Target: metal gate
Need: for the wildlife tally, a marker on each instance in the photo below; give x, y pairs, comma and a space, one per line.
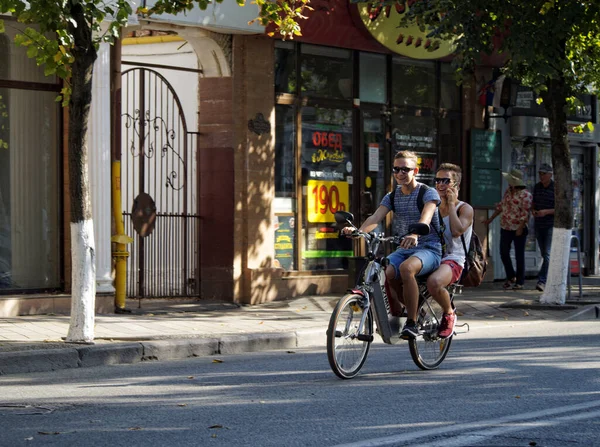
158, 169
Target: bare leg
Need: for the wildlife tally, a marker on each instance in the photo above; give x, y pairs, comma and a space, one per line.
394, 291
408, 271
436, 284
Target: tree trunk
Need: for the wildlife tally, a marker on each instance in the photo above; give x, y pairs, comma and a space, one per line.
555, 103
83, 294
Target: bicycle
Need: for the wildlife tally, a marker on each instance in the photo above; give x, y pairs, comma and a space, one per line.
350, 330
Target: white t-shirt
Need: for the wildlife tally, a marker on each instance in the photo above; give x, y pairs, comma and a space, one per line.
454, 246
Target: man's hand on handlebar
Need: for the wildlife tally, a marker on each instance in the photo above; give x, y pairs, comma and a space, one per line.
347, 231
409, 241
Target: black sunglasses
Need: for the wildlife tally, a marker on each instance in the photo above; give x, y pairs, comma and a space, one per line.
398, 169
442, 180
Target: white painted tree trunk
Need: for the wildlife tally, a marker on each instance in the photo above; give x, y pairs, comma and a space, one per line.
555, 291
83, 294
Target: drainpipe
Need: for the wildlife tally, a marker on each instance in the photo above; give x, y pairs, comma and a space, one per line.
120, 239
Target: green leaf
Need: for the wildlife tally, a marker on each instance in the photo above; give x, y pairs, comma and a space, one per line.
32, 51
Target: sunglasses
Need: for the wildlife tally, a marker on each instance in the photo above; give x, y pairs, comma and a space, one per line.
398, 169
442, 180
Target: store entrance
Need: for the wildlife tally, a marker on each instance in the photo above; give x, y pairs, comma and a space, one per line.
374, 177
580, 164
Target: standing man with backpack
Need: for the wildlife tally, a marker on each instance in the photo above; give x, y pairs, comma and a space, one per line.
457, 226
543, 212
411, 202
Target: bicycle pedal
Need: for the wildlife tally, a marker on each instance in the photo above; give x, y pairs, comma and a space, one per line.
367, 338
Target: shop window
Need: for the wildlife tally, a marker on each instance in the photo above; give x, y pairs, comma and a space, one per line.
449, 90
327, 178
373, 78
450, 138
285, 68
414, 83
326, 72
22, 68
417, 134
285, 188
29, 172
29, 211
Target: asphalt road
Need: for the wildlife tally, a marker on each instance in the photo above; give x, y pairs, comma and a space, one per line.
507, 385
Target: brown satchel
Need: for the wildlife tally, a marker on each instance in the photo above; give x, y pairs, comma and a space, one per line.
475, 262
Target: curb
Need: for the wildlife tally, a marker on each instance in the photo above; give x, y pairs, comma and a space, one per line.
44, 360
529, 304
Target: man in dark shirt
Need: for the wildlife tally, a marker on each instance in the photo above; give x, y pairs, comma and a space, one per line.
543, 211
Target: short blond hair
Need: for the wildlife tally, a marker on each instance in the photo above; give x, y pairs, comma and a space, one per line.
453, 168
409, 155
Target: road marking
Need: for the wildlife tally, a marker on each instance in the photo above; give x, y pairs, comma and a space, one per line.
483, 427
481, 436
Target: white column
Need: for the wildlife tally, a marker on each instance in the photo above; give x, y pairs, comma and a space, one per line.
100, 168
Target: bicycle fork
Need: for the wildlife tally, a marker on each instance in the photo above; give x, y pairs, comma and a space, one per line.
365, 312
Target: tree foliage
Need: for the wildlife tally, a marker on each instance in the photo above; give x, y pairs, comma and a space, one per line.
552, 46
541, 40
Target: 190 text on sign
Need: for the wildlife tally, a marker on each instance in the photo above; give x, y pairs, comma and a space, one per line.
324, 199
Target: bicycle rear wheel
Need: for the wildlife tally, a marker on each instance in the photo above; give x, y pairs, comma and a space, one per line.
427, 350
347, 348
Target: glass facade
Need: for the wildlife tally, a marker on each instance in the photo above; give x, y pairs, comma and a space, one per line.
341, 115
29, 172
326, 172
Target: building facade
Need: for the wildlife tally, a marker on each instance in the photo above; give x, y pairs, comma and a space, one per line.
242, 146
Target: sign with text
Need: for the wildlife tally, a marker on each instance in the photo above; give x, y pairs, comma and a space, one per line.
285, 241
324, 199
486, 187
486, 149
486, 161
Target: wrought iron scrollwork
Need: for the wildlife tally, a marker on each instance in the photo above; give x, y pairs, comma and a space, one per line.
145, 146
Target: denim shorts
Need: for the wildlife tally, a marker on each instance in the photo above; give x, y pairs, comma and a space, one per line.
430, 259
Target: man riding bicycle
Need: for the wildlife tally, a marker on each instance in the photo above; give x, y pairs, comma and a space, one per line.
416, 255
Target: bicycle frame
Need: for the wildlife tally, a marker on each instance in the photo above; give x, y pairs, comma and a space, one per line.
372, 287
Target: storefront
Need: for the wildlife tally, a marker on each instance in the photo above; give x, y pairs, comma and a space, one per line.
527, 145
341, 114
30, 172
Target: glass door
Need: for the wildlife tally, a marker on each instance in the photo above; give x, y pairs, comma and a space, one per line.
374, 183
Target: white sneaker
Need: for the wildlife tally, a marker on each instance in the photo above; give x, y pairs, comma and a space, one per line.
540, 286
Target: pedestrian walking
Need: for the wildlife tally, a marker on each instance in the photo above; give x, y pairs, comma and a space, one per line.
514, 208
543, 213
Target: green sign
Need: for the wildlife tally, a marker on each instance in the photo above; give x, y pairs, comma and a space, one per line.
486, 187
486, 163
285, 241
486, 149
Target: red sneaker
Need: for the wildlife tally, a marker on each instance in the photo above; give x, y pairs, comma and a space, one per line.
446, 328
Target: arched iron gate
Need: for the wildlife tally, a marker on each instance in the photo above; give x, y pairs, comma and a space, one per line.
158, 158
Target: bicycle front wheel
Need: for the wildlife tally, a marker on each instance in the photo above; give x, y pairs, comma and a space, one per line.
347, 343
428, 350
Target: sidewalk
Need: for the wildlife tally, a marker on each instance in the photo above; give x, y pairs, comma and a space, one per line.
176, 329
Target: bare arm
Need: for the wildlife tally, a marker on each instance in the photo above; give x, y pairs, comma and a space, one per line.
492, 217
370, 222
459, 224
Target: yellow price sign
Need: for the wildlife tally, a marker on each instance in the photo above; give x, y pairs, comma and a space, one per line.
324, 199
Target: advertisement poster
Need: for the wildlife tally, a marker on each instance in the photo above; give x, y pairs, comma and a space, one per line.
285, 241
327, 176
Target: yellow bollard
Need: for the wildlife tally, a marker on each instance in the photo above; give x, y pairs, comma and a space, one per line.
120, 254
